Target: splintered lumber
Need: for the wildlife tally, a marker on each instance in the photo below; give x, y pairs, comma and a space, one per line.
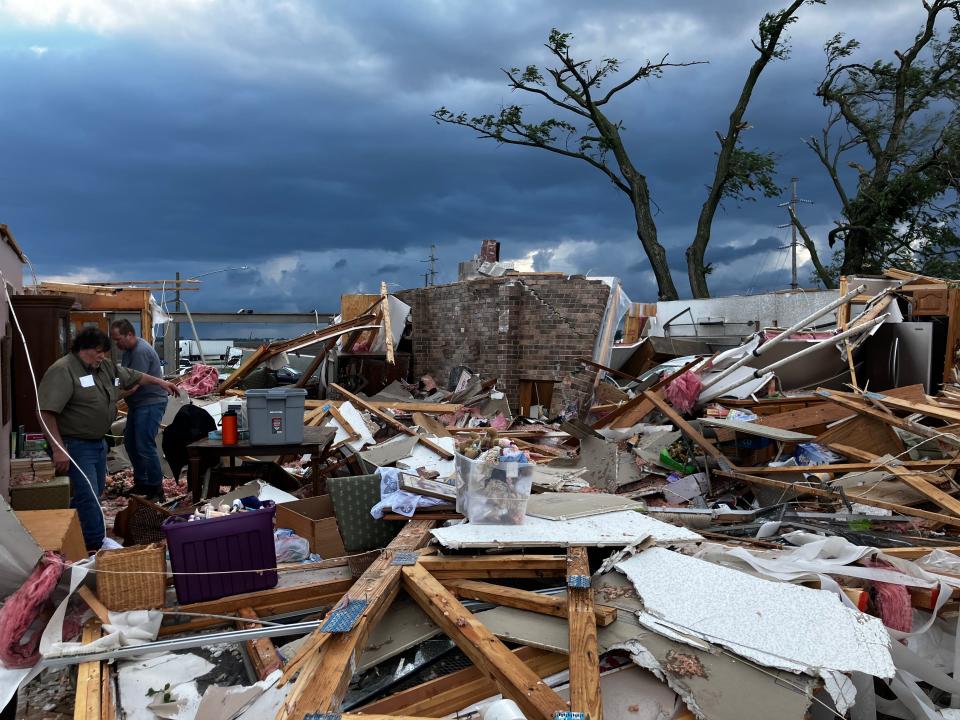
89, 698
826, 413
687, 428
913, 553
495, 566
836, 497
518, 682
315, 363
924, 408
838, 468
269, 350
93, 602
889, 419
430, 424
450, 693
633, 411
387, 329
326, 673
584, 654
393, 422
262, 652
415, 406
521, 599
917, 482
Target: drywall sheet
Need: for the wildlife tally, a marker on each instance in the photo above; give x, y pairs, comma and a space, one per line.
610, 529
774, 624
355, 420
135, 678
423, 457
567, 505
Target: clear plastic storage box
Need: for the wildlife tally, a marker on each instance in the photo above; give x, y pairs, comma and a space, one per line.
493, 493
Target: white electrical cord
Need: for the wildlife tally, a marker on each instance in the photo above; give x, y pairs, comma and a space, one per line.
36, 393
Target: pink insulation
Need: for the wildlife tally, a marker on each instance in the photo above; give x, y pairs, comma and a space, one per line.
683, 392
21, 610
202, 380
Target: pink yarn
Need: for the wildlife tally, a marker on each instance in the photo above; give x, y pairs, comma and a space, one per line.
683, 392
202, 380
21, 610
892, 601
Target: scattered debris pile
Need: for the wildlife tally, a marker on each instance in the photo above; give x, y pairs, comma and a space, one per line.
768, 531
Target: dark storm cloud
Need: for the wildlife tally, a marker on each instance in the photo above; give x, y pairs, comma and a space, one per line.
299, 142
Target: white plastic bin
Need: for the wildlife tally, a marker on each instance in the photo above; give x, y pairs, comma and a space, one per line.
275, 415
493, 494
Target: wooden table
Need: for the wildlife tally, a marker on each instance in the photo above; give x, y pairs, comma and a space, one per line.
316, 441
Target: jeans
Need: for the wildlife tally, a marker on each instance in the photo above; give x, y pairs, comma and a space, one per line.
140, 441
91, 456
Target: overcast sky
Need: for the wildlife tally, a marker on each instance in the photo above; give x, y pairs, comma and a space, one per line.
145, 137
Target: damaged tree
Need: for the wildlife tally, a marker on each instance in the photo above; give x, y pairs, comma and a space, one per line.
579, 86
740, 172
900, 121
597, 140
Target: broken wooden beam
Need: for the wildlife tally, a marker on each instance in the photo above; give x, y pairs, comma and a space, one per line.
554, 605
518, 682
495, 566
89, 699
393, 422
262, 652
326, 673
387, 327
584, 655
687, 429
917, 482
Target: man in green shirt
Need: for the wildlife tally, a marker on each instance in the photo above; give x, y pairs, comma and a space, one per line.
78, 403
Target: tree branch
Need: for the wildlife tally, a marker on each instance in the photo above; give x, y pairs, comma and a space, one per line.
518, 85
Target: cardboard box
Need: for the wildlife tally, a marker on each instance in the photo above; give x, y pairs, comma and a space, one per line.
57, 530
314, 520
51, 495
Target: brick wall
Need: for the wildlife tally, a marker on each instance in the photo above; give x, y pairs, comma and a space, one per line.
512, 328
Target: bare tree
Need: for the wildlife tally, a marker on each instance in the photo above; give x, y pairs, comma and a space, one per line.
896, 125
740, 172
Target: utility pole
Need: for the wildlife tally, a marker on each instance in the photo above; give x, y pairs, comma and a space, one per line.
794, 201
176, 332
430, 276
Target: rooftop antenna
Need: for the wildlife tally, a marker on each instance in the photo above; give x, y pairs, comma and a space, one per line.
430, 276
794, 201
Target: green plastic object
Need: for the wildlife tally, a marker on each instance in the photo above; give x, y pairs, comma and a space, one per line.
669, 462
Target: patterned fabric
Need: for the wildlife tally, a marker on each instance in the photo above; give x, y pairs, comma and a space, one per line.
352, 499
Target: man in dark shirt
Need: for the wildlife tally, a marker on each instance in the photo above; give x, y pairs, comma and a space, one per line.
145, 407
78, 401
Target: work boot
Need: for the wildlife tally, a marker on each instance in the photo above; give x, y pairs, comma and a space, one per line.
155, 493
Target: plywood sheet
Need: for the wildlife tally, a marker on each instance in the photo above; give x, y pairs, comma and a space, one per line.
610, 529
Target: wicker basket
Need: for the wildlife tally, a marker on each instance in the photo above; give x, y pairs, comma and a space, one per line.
133, 578
358, 564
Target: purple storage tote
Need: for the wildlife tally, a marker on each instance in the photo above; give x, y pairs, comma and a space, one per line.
231, 546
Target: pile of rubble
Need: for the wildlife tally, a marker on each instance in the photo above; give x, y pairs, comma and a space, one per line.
704, 539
